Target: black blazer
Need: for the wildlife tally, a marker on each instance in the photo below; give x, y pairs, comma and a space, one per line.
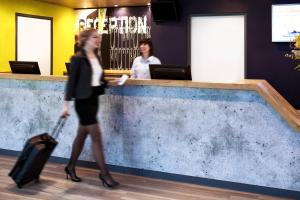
80, 78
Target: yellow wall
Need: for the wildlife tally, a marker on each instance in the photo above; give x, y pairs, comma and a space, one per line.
63, 30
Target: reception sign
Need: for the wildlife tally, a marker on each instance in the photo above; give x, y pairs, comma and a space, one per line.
121, 30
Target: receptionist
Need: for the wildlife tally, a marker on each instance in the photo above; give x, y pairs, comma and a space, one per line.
140, 66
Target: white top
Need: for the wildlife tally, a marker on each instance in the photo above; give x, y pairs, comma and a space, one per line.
97, 72
140, 67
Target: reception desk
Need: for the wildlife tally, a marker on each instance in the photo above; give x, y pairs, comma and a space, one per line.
243, 132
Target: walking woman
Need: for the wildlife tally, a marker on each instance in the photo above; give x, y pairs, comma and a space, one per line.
86, 82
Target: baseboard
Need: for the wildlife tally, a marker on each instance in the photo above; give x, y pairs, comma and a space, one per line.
179, 178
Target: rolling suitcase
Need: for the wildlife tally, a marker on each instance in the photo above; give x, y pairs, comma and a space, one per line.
34, 156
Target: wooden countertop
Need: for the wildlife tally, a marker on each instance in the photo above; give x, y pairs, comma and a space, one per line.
278, 102
32, 77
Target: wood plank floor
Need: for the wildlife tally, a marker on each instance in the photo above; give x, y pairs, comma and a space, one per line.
53, 185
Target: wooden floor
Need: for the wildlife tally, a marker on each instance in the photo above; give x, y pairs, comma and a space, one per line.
53, 185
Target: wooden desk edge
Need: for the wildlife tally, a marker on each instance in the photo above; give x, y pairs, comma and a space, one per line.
274, 98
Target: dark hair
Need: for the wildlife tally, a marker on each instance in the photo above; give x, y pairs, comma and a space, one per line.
149, 42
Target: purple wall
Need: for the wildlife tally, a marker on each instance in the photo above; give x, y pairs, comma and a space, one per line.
264, 59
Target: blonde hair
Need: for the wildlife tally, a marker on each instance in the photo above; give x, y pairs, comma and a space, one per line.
85, 35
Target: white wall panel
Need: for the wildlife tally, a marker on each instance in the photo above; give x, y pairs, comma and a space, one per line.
218, 48
34, 42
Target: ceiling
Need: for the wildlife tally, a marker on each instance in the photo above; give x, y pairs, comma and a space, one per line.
97, 3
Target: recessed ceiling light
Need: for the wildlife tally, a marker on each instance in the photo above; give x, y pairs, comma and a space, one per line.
116, 5
149, 4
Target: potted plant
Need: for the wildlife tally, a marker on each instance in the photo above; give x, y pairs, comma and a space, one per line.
295, 52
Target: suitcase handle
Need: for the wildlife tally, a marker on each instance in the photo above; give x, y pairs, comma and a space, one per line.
58, 127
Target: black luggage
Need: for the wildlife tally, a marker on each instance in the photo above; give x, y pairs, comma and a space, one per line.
34, 156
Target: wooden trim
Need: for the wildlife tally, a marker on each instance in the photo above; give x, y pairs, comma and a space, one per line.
280, 104
93, 4
266, 91
115, 73
32, 77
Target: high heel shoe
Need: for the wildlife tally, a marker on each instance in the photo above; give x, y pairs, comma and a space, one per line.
104, 179
72, 174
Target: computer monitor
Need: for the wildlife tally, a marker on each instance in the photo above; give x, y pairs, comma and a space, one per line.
24, 67
68, 67
171, 72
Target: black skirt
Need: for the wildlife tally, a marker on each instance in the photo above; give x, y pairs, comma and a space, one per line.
87, 109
